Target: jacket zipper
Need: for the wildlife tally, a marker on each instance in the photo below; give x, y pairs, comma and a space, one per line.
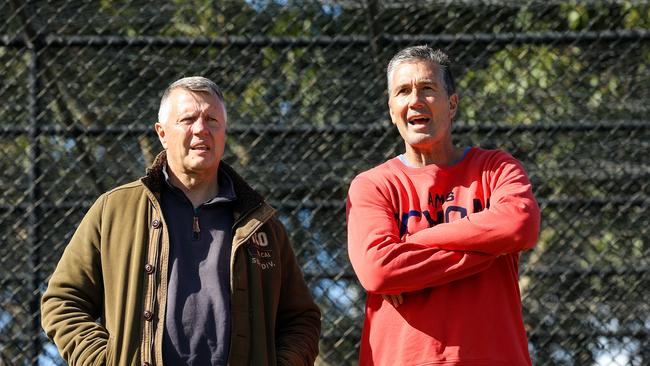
232, 258
196, 229
235, 247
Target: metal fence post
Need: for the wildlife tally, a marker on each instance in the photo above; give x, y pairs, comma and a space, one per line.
34, 41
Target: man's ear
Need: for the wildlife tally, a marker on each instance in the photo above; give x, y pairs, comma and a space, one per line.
160, 131
453, 105
390, 112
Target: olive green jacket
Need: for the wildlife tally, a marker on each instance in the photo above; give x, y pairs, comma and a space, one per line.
105, 302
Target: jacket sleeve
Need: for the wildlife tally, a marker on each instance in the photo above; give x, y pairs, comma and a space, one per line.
509, 225
383, 262
298, 319
73, 299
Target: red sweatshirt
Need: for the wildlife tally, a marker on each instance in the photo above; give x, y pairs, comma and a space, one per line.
447, 238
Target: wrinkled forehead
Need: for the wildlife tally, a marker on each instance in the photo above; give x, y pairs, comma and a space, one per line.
413, 71
185, 101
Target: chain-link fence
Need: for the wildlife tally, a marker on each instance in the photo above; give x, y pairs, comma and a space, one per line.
563, 86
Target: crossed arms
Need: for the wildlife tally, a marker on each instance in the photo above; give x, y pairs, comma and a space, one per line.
446, 252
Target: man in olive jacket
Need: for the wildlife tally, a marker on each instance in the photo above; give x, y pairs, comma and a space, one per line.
186, 266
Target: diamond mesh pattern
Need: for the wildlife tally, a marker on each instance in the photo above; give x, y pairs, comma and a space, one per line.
562, 85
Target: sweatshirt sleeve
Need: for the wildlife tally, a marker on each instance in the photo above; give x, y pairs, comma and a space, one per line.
73, 299
510, 224
386, 264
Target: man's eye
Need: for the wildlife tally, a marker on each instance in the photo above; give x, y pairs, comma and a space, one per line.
403, 91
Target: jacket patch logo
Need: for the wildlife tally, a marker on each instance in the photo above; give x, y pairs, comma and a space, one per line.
259, 252
260, 239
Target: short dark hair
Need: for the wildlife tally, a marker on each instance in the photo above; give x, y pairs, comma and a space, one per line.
424, 53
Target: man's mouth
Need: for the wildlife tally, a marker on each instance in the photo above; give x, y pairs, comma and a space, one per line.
200, 147
419, 121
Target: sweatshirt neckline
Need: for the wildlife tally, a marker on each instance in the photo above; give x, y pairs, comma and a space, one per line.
467, 153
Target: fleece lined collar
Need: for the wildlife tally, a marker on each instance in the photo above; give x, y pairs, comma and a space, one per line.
247, 198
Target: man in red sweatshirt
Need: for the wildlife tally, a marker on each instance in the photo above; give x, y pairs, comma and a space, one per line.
434, 234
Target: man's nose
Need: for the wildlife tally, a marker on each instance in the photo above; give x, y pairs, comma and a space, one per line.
200, 125
415, 99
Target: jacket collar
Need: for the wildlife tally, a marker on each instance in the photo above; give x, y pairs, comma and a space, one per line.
247, 198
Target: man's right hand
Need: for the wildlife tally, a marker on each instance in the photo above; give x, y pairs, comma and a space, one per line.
396, 300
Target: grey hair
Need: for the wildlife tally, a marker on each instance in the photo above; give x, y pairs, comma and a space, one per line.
424, 53
196, 84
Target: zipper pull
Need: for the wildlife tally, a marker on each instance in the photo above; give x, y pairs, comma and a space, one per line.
196, 230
